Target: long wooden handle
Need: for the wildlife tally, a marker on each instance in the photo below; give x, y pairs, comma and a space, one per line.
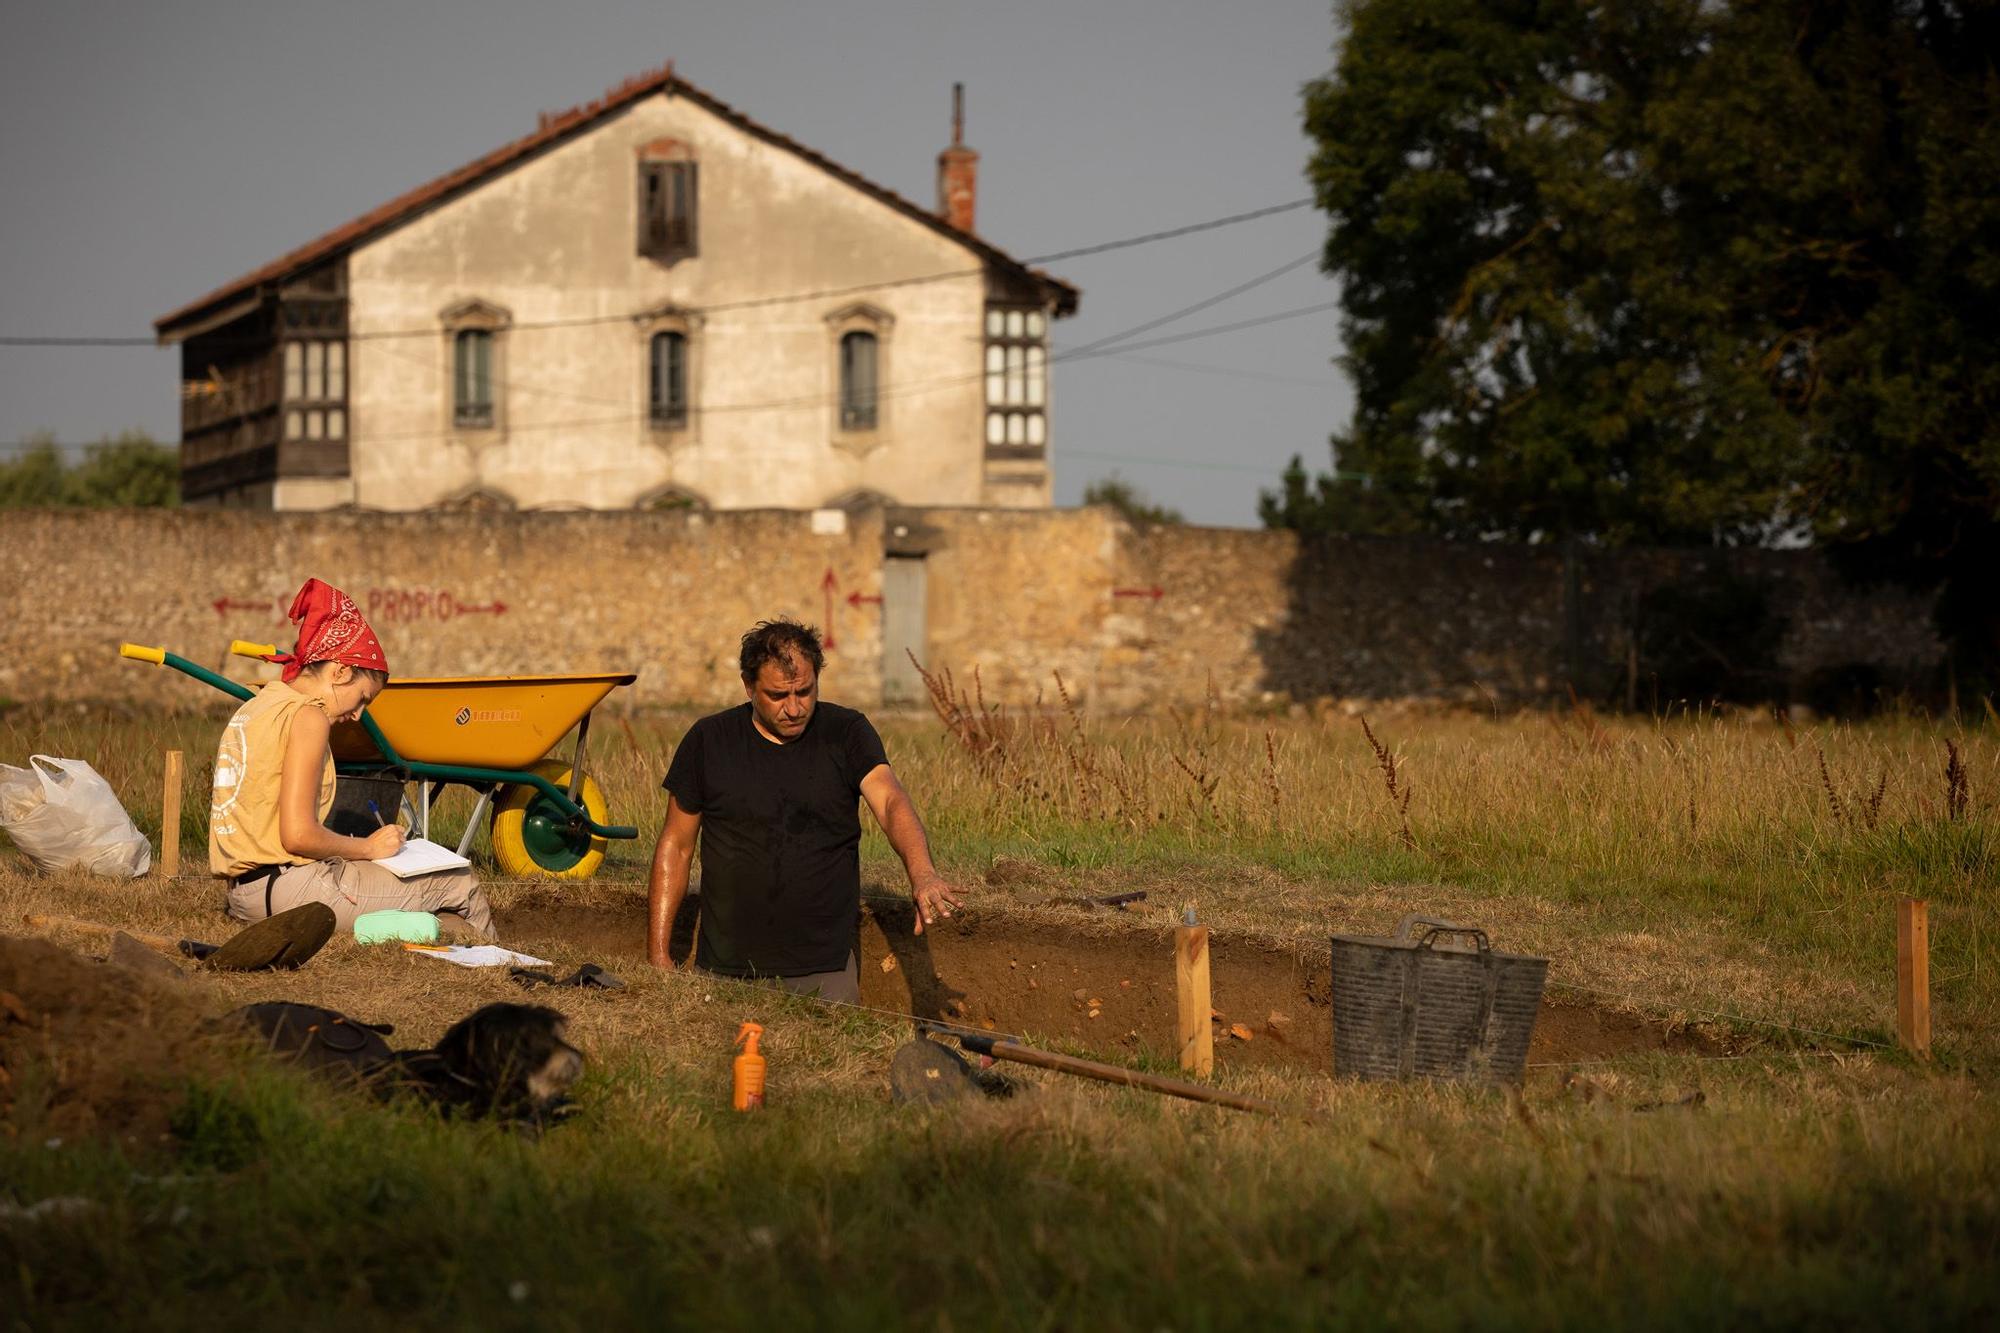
1131, 1078
99, 928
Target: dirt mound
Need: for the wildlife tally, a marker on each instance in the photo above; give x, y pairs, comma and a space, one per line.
87, 1048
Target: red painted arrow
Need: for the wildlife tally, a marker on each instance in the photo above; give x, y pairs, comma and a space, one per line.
224, 605
1156, 592
496, 608
857, 598
827, 586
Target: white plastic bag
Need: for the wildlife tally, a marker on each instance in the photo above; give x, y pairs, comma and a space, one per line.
62, 813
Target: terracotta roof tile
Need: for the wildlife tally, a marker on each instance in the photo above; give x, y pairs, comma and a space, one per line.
552, 129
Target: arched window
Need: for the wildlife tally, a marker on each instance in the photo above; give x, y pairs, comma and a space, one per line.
474, 371
668, 376
860, 339
858, 383
472, 378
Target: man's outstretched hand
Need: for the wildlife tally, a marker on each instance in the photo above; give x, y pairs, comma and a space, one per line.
934, 898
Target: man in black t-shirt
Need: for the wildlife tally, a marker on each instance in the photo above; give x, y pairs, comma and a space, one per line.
773, 790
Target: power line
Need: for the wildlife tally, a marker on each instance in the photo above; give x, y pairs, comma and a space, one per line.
41, 341
1229, 221
892, 391
825, 293
1280, 316
920, 386
1200, 305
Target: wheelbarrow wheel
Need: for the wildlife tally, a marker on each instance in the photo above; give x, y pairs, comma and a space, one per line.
532, 837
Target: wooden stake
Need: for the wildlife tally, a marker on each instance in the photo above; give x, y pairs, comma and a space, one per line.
1197, 1036
170, 818
1913, 976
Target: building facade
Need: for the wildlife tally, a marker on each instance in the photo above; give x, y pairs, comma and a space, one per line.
651, 301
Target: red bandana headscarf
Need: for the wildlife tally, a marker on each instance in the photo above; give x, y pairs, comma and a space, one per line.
330, 630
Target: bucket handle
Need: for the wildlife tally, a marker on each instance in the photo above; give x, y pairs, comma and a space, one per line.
1433, 927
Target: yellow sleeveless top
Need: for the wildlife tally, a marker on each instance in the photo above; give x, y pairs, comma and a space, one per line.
249, 765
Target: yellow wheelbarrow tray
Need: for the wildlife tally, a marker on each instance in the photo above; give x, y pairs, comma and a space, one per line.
485, 722
493, 734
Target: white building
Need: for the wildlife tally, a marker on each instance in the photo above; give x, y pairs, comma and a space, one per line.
651, 300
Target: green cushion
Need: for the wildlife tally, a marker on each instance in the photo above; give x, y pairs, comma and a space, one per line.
392, 927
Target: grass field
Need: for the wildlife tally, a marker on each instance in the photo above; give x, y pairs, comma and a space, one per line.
1727, 880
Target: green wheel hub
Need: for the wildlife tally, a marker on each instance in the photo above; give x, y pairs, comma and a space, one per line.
546, 833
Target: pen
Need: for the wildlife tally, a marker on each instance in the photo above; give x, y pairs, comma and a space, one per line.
376, 811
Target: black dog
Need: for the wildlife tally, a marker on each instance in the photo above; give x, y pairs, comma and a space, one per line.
511, 1062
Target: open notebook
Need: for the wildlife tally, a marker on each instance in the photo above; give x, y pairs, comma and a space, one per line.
421, 856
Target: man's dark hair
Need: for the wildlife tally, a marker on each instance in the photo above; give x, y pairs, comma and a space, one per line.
781, 641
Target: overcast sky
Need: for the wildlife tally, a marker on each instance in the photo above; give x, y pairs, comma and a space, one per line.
152, 152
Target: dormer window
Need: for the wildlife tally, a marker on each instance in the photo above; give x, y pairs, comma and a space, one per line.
669, 211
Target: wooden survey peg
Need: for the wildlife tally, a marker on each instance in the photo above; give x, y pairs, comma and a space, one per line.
1197, 1035
170, 817
1913, 976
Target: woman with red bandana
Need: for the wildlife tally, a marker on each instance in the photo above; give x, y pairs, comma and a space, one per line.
274, 776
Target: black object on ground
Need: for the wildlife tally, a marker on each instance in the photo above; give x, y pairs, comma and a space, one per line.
510, 1062
924, 1073
1424, 1005
589, 976
323, 1040
1117, 900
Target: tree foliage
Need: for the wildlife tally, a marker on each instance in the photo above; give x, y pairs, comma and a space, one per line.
1129, 500
1670, 271
130, 470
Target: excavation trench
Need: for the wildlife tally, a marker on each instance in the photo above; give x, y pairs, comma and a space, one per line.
1098, 983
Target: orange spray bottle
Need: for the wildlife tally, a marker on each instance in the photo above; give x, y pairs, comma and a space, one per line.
748, 1094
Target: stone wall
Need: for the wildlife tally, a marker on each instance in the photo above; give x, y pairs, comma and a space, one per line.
1131, 618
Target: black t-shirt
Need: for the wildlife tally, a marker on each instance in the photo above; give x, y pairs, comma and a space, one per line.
780, 838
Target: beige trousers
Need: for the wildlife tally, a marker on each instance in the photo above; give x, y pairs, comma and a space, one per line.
356, 888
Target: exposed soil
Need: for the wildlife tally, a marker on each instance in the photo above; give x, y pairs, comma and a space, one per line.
1095, 982
89, 1047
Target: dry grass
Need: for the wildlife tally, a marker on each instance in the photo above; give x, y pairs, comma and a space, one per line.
1683, 867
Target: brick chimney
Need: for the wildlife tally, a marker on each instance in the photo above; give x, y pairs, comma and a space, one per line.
958, 169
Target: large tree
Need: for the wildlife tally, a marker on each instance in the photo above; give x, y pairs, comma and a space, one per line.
1670, 271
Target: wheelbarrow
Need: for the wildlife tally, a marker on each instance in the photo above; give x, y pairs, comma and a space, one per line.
492, 734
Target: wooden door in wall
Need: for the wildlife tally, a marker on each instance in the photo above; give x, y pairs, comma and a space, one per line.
903, 629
